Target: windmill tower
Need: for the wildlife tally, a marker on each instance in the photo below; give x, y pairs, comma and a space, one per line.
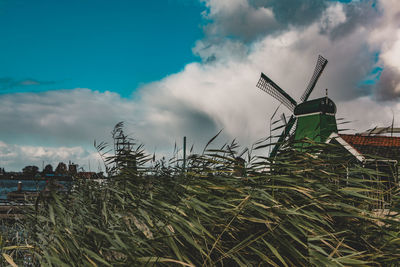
314, 119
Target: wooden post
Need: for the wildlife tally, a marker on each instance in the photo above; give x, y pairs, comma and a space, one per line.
184, 153
19, 186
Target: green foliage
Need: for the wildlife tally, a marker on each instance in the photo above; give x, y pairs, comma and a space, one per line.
308, 208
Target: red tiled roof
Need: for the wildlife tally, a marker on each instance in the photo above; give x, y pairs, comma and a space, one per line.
371, 140
381, 146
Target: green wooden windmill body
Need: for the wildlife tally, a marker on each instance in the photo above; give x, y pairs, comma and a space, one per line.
315, 119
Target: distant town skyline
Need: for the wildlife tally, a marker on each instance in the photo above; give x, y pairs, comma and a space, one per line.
71, 70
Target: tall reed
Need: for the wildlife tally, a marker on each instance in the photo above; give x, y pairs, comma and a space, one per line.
312, 207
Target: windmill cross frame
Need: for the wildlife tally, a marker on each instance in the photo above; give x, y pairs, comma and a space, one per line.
270, 87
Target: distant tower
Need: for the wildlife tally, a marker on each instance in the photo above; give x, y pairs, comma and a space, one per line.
72, 168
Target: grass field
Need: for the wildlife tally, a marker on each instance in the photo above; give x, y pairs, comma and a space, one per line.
305, 208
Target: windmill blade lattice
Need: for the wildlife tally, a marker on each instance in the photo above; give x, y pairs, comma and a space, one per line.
267, 85
319, 68
293, 130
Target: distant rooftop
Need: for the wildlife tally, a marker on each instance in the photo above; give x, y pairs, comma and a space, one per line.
381, 146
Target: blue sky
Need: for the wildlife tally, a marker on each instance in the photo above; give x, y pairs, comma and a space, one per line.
102, 45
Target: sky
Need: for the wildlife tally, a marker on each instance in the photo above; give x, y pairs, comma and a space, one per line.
101, 45
71, 70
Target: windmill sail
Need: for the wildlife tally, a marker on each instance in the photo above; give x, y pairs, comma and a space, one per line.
267, 85
283, 118
319, 68
293, 127
283, 136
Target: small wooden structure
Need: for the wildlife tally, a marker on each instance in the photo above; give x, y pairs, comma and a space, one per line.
11, 211
21, 195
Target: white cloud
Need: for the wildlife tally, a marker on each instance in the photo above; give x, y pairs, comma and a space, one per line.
15, 157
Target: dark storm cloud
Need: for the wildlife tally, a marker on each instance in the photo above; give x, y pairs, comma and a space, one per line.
357, 32
360, 14
242, 21
251, 20
64, 117
388, 86
197, 122
166, 119
294, 12
385, 37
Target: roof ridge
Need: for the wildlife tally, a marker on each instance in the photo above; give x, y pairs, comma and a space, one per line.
370, 136
376, 141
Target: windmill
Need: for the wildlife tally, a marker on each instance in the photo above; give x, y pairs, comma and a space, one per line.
314, 119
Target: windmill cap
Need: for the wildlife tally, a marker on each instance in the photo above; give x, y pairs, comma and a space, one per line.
320, 105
